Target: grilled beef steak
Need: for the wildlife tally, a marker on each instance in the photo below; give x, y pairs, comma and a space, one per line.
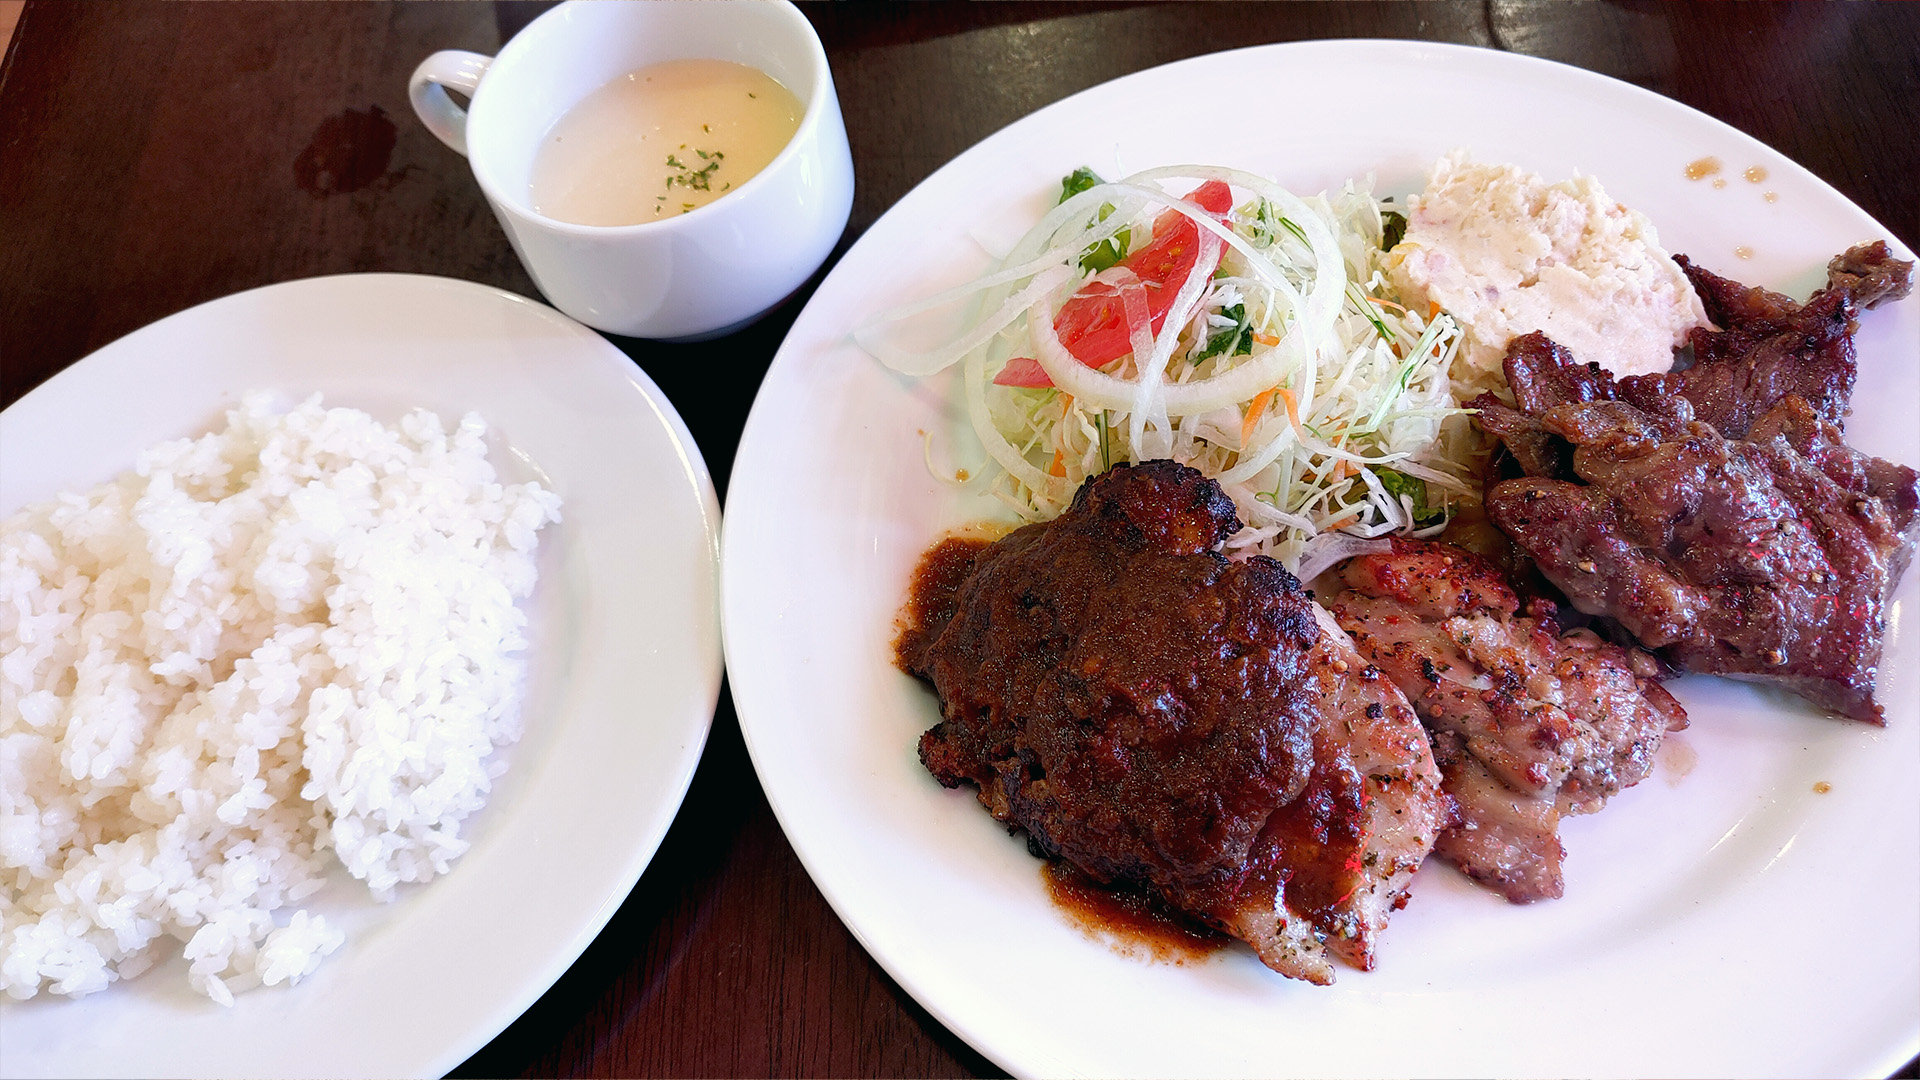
1769, 557
1529, 724
1715, 513
1768, 348
1154, 713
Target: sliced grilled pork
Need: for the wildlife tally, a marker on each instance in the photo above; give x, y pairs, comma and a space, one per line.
1529, 724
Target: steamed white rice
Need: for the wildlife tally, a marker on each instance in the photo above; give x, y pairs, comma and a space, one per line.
286, 643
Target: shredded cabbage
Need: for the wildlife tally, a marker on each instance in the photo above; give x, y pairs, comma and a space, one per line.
1288, 372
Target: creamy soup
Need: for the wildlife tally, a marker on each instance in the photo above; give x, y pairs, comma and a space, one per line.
662, 141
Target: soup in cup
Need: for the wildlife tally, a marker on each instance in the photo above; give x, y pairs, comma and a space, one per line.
710, 260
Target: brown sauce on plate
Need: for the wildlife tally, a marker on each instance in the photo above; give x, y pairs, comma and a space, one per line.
1128, 918
930, 595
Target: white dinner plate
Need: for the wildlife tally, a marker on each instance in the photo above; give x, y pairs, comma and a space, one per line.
623, 670
1722, 918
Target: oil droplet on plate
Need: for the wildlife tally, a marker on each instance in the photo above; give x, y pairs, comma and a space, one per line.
1770, 196
1703, 168
1755, 174
1822, 788
1719, 181
1743, 251
1677, 759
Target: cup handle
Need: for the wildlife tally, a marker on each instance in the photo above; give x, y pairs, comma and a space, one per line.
455, 68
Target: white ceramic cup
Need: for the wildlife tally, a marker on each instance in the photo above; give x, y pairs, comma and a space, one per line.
695, 275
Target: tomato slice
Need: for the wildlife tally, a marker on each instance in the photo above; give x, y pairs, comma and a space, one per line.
1023, 371
1093, 324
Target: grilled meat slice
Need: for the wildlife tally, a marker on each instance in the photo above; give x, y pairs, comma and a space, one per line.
1529, 724
1508, 840
1738, 557
1543, 375
1870, 275
1739, 374
1372, 808
1794, 421
1867, 274
1154, 713
1536, 451
1768, 347
1758, 544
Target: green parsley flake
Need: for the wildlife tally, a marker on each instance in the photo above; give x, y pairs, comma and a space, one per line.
693, 179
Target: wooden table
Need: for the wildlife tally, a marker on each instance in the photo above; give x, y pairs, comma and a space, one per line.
154, 156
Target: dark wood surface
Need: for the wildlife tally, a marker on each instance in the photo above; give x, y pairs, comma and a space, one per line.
154, 156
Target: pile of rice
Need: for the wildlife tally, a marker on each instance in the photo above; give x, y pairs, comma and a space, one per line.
289, 642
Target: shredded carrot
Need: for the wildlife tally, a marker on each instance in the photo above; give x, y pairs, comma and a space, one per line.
1066, 403
1388, 303
1432, 310
1255, 411
1342, 523
1266, 339
1341, 467
1257, 408
1059, 464
1293, 407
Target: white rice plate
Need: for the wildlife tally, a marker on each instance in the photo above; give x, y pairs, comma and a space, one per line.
287, 643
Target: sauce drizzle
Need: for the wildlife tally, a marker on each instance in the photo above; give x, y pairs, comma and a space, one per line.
930, 596
1127, 918
1703, 168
